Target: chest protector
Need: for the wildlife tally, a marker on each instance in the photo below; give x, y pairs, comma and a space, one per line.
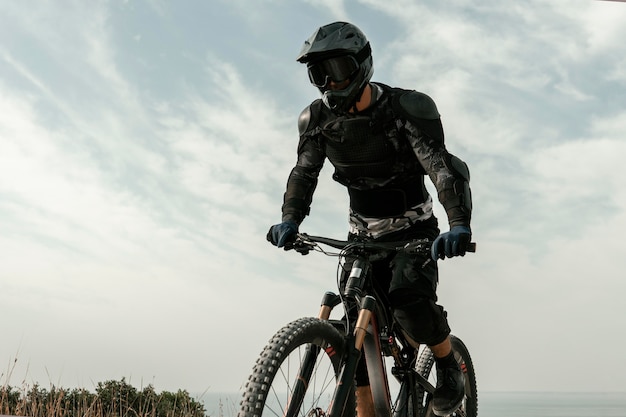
358, 149
376, 164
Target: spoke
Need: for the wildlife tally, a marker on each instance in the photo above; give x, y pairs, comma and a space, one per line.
321, 383
317, 395
270, 409
325, 384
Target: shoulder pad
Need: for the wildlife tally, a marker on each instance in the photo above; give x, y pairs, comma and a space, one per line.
309, 116
416, 105
304, 119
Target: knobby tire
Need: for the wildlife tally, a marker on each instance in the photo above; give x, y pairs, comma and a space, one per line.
281, 381
426, 367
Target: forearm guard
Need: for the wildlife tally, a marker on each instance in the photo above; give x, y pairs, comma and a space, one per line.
299, 194
455, 194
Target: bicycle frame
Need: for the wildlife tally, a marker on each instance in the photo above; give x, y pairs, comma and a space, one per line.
365, 337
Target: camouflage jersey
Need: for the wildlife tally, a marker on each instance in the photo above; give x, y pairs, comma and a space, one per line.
381, 155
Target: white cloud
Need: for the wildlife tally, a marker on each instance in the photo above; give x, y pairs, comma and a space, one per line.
603, 21
134, 217
87, 203
336, 9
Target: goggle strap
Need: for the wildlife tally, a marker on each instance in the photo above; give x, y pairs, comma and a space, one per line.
365, 52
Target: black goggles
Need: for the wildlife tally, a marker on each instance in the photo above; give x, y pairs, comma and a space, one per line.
337, 69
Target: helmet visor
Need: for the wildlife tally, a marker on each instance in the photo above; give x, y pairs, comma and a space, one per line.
337, 69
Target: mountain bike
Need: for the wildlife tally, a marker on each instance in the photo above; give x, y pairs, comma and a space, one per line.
308, 367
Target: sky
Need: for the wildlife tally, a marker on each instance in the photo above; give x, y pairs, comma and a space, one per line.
145, 147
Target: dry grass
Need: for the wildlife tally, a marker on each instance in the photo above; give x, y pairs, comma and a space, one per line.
111, 399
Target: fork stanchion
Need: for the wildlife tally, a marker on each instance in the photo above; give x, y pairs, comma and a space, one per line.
329, 301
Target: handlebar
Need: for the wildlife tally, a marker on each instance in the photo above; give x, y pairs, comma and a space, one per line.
305, 243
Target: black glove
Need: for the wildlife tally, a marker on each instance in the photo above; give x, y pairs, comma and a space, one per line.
282, 233
452, 243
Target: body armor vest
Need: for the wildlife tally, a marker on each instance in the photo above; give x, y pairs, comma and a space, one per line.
381, 171
358, 149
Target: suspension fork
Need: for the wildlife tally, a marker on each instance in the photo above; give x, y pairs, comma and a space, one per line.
354, 345
307, 366
379, 384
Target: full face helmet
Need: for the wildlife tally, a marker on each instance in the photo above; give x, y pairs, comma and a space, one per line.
339, 52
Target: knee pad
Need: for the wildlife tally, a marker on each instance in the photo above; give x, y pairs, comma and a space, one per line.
423, 320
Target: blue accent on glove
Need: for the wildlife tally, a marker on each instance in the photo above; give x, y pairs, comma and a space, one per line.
452, 243
282, 233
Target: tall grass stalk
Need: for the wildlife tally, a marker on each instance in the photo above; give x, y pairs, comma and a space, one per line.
111, 399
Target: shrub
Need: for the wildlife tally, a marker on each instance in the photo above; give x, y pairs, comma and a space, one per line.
112, 399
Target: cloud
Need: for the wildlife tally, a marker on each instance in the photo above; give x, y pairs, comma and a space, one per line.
336, 9
603, 23
110, 212
529, 99
144, 214
137, 184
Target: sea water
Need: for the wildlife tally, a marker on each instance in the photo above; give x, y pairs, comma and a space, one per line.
549, 404
490, 404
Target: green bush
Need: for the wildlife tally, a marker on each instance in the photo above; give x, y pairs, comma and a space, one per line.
112, 398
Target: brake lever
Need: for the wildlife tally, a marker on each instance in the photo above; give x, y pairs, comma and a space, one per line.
419, 246
300, 246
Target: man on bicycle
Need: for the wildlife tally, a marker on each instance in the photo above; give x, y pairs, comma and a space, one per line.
382, 142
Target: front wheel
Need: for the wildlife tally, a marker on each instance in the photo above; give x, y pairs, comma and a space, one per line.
426, 367
295, 376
